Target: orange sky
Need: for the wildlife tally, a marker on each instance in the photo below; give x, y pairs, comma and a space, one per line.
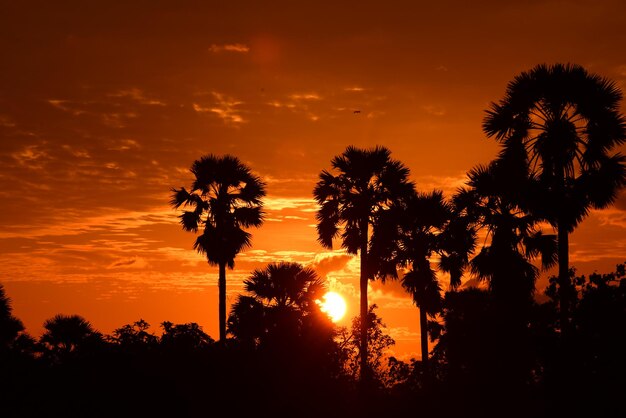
104, 106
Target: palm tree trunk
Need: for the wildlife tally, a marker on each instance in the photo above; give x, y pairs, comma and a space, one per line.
424, 343
221, 284
364, 375
563, 253
564, 281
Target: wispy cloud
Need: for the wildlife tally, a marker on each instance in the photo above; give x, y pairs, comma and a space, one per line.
6, 121
448, 184
225, 107
129, 262
137, 95
124, 145
66, 106
280, 203
241, 48
305, 96
402, 333
31, 156
434, 110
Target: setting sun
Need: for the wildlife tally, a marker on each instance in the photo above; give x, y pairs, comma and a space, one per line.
334, 305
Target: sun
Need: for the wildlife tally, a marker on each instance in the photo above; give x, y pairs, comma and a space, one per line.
334, 305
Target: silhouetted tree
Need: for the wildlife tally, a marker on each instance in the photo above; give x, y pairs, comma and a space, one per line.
378, 344
10, 326
68, 335
368, 182
135, 335
225, 198
280, 297
513, 237
280, 321
598, 318
417, 228
281, 315
184, 337
567, 121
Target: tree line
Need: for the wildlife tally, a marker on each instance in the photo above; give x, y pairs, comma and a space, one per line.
498, 350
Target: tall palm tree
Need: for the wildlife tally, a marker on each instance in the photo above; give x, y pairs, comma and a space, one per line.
417, 229
567, 121
505, 262
225, 198
368, 182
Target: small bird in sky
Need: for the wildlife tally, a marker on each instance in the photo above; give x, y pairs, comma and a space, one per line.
357, 111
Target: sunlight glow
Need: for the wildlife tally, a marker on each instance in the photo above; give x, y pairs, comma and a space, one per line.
334, 305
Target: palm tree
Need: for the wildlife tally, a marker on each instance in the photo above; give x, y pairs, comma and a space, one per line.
225, 198
280, 319
10, 326
421, 227
505, 262
279, 298
567, 122
513, 237
368, 182
66, 335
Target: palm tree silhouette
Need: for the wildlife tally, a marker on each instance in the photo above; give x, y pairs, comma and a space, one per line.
226, 198
419, 227
10, 326
280, 297
513, 236
567, 121
65, 335
368, 182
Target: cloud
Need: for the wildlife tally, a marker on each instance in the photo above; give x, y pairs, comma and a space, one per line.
31, 156
434, 110
355, 89
225, 107
241, 48
6, 121
65, 106
448, 184
132, 262
124, 145
280, 203
326, 263
137, 95
611, 217
391, 288
305, 96
403, 333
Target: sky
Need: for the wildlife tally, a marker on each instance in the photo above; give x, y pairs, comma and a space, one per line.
104, 106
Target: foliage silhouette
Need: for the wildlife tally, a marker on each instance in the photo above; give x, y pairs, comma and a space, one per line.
134, 335
565, 121
225, 198
68, 336
279, 323
378, 343
414, 230
367, 183
513, 237
598, 318
10, 326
